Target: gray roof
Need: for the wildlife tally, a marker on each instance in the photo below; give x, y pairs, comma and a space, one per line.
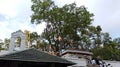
34, 55
77, 51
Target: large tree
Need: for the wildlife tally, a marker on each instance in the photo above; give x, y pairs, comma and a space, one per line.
117, 42
108, 52
67, 27
1, 45
6, 43
34, 38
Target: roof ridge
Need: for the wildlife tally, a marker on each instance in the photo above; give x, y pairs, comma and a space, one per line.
14, 52
34, 55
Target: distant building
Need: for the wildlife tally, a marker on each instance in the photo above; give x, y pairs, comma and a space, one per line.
81, 58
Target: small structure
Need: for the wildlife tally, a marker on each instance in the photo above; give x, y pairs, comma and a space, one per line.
81, 58
14, 36
32, 58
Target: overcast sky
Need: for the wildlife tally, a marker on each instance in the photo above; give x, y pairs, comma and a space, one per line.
15, 15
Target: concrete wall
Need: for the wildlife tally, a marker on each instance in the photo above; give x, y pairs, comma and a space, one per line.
75, 58
113, 63
79, 62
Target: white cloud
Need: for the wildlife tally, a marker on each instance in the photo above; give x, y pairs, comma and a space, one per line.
4, 30
63, 2
8, 7
107, 13
16, 15
40, 28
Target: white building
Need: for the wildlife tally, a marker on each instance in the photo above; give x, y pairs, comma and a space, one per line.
81, 58
13, 46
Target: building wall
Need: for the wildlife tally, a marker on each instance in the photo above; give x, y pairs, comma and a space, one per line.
113, 63
76, 59
76, 56
79, 62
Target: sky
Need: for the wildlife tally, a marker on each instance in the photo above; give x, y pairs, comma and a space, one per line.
15, 15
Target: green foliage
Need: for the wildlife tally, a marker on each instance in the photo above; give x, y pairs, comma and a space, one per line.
73, 25
117, 42
1, 44
34, 37
70, 22
40, 44
108, 52
6, 42
42, 10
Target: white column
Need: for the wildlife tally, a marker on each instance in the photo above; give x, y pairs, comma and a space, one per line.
23, 43
12, 43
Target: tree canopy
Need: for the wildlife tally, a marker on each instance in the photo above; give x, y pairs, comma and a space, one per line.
70, 27
70, 22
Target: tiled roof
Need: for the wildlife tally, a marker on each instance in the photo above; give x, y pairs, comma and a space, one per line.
34, 55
